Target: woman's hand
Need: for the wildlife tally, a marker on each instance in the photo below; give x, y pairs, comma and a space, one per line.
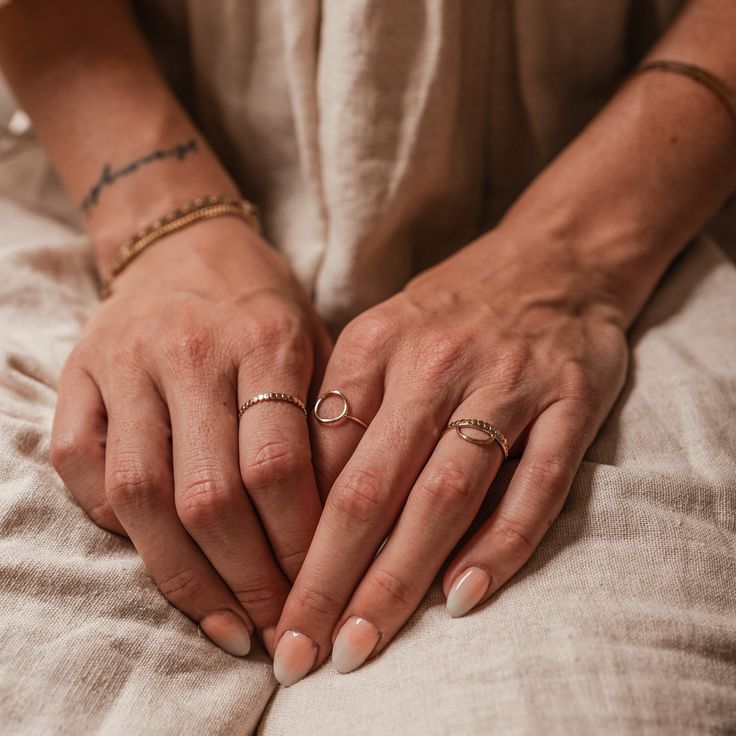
518, 334
146, 431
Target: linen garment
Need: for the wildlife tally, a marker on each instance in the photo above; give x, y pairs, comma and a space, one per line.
377, 138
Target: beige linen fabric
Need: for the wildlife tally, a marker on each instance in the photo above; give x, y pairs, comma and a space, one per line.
377, 137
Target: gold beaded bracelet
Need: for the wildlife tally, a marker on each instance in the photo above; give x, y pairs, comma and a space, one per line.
202, 208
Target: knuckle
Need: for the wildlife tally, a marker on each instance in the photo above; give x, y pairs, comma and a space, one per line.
129, 486
279, 329
449, 487
68, 450
131, 350
360, 496
547, 475
204, 503
581, 385
513, 538
439, 356
511, 368
284, 339
315, 603
398, 591
180, 588
259, 595
292, 561
188, 347
273, 463
366, 335
103, 515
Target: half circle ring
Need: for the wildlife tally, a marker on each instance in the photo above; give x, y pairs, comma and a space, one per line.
492, 434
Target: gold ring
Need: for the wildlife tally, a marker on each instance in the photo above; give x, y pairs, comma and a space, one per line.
344, 413
492, 434
271, 396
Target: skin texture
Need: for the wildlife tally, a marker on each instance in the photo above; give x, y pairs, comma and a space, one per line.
524, 328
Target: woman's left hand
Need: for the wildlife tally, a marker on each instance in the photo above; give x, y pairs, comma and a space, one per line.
527, 336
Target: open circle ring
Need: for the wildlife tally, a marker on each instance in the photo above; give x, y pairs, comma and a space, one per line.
344, 413
492, 434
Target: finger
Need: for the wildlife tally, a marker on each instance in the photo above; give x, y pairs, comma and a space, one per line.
78, 445
210, 498
140, 489
440, 508
361, 382
555, 448
363, 504
276, 465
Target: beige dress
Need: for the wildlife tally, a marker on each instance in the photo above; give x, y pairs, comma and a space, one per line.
377, 136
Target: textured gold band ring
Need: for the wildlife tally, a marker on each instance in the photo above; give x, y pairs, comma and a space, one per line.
271, 396
492, 434
343, 414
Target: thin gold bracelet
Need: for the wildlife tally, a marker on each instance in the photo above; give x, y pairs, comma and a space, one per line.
719, 88
202, 208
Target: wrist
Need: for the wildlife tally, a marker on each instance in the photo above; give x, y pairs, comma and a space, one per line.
599, 268
143, 200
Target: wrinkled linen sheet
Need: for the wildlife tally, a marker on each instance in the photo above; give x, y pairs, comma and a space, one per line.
623, 622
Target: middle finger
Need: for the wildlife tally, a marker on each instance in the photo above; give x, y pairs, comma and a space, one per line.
359, 511
210, 498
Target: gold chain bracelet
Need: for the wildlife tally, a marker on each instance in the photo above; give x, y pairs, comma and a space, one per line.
202, 208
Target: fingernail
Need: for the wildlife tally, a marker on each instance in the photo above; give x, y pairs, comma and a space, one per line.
355, 641
228, 631
267, 637
295, 656
467, 590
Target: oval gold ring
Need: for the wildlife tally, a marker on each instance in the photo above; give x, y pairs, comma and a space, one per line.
492, 434
343, 414
271, 396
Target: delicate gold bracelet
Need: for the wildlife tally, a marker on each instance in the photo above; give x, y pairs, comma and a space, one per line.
719, 88
202, 208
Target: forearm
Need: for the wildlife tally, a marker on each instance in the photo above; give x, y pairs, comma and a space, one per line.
648, 172
123, 146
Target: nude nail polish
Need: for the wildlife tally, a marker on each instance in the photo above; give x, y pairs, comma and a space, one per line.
467, 591
355, 641
295, 656
228, 631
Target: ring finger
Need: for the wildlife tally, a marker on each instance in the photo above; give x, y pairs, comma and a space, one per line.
210, 498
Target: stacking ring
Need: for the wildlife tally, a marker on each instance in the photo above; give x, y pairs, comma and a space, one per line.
492, 434
271, 396
343, 414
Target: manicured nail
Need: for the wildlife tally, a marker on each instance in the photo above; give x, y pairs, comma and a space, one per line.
355, 641
228, 631
467, 590
267, 637
295, 656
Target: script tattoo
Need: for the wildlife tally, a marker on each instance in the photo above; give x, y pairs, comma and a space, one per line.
110, 175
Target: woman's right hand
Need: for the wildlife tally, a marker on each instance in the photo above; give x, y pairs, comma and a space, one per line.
146, 433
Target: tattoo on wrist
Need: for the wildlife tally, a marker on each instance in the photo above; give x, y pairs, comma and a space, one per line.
109, 175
